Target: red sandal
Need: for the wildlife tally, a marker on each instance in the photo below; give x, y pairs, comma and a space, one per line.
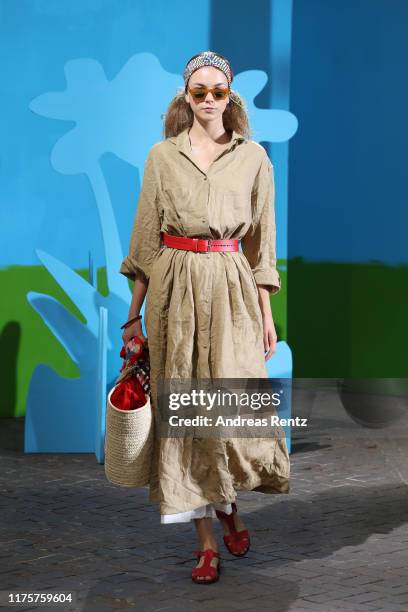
237, 542
206, 569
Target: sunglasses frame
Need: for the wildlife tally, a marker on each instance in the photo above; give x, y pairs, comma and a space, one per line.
206, 90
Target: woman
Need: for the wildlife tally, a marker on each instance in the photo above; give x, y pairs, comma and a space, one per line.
208, 312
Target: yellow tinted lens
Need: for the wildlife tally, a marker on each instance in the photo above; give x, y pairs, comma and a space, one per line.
198, 93
220, 94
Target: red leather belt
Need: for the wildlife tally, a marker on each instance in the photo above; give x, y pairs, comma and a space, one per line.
199, 245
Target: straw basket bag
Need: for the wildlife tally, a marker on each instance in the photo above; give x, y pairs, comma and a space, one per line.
128, 444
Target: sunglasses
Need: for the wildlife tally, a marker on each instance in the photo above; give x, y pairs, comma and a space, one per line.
200, 93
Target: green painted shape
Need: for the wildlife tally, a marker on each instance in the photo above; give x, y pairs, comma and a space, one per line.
26, 340
348, 320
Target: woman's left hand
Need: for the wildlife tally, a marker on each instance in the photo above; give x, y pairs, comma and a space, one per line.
270, 338
269, 332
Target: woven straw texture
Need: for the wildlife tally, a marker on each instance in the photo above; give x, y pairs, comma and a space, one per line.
128, 444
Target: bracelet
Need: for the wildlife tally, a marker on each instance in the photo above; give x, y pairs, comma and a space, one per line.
131, 321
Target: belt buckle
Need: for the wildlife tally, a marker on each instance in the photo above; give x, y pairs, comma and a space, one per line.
201, 240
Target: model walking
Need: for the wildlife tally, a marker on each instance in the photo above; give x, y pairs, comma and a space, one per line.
208, 313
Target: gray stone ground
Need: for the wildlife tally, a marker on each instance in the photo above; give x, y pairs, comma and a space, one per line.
337, 542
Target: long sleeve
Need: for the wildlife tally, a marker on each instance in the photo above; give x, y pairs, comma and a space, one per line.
259, 243
145, 239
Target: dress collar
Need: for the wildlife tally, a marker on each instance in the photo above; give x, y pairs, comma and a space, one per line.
183, 144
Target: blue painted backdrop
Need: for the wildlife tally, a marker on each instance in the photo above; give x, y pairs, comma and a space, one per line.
349, 90
44, 47
77, 80
94, 79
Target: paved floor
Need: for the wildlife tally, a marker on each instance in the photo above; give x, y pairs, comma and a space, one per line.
337, 542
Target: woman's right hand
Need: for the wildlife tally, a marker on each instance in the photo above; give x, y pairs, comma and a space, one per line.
135, 329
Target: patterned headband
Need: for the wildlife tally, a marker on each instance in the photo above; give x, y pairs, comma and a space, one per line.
208, 58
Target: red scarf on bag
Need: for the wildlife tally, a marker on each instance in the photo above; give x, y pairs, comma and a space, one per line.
130, 392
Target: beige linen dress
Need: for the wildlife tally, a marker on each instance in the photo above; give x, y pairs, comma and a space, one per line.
202, 315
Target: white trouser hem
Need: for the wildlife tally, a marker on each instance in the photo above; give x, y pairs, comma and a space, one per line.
200, 512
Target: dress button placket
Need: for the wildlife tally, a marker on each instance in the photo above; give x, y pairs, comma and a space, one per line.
206, 255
